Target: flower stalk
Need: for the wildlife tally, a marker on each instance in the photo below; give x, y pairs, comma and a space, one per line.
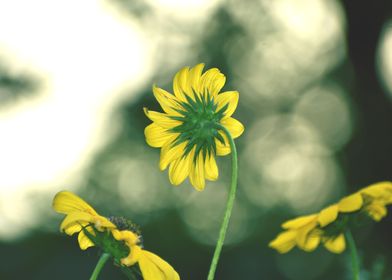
353, 254
101, 262
229, 205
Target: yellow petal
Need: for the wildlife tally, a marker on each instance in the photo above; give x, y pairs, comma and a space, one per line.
155, 268
211, 169
304, 234
381, 189
196, 175
311, 243
179, 169
222, 149
101, 223
351, 203
168, 102
284, 242
299, 222
161, 119
170, 153
76, 218
157, 136
66, 202
180, 84
229, 99
126, 235
131, 240
235, 127
70, 230
84, 241
336, 245
118, 234
195, 77
212, 82
328, 215
133, 257
376, 211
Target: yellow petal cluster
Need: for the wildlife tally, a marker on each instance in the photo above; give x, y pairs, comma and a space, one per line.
182, 157
307, 232
80, 214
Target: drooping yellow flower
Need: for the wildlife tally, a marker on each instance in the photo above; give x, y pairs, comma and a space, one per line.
151, 266
329, 225
188, 131
115, 236
79, 215
306, 233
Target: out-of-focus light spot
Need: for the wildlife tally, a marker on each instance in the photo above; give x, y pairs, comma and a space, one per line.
305, 18
295, 45
300, 179
84, 55
327, 111
291, 163
185, 10
139, 186
174, 28
384, 57
16, 215
203, 216
291, 166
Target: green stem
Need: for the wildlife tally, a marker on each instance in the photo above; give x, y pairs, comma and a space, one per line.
131, 272
229, 205
354, 255
101, 262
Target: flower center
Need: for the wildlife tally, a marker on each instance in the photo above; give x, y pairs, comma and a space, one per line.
199, 124
125, 224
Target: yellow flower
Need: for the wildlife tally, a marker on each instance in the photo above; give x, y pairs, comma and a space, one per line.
116, 236
306, 233
78, 216
151, 266
328, 226
188, 131
297, 233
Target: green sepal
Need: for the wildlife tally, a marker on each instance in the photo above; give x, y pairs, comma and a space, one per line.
116, 249
200, 124
105, 241
347, 221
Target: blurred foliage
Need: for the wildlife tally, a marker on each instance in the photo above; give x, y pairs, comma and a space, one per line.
15, 86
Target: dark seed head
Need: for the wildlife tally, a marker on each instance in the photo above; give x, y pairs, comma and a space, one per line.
125, 224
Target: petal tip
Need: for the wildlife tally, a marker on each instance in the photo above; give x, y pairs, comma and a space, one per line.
145, 110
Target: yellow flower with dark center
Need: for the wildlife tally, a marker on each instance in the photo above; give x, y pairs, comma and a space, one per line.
329, 225
188, 132
115, 236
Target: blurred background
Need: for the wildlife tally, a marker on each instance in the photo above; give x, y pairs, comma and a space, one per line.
315, 83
